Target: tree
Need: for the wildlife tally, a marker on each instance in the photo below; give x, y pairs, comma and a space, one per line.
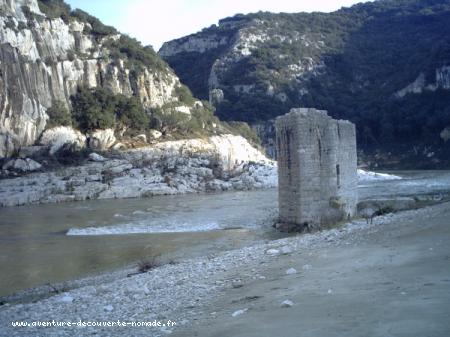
130, 113
93, 109
58, 115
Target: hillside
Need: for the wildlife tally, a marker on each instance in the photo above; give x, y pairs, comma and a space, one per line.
63, 67
384, 65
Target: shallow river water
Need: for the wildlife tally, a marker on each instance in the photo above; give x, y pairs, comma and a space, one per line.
52, 243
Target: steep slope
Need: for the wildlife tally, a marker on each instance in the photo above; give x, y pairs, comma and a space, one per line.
49, 53
384, 65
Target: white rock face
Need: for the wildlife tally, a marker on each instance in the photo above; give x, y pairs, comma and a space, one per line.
192, 44
49, 61
58, 136
183, 109
102, 139
235, 151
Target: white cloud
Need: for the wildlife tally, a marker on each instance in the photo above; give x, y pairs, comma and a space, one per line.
154, 22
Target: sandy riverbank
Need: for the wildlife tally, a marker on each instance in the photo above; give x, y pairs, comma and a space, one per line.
389, 278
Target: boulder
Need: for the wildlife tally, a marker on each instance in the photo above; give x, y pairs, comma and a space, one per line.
55, 138
141, 138
287, 304
102, 139
119, 146
96, 157
22, 165
155, 134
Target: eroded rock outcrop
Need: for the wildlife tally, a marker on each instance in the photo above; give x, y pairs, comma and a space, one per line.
197, 165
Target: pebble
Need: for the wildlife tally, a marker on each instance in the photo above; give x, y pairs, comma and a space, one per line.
108, 307
66, 299
272, 252
291, 271
287, 304
239, 312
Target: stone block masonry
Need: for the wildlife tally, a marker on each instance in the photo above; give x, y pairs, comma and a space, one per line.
317, 172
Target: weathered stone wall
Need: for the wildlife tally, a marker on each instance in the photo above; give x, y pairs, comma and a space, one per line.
317, 172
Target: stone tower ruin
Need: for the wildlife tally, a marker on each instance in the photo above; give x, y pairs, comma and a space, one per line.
317, 171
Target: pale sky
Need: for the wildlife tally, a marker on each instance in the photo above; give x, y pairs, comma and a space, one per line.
154, 22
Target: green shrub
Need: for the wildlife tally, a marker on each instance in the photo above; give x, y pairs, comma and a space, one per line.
137, 56
54, 8
97, 27
93, 109
131, 114
184, 94
58, 115
169, 120
244, 130
100, 109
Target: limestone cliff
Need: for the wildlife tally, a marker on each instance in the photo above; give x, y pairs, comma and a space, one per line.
44, 59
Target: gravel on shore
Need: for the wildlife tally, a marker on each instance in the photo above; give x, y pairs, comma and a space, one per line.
176, 292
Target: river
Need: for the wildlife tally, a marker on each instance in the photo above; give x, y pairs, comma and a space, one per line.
52, 243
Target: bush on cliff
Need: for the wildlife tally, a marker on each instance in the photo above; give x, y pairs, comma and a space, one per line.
59, 115
100, 109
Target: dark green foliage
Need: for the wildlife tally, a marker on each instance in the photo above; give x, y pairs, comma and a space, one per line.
169, 120
184, 95
93, 109
99, 109
201, 122
194, 68
137, 56
130, 113
55, 9
97, 27
244, 130
58, 115
370, 52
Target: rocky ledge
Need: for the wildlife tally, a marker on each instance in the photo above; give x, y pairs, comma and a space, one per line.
218, 163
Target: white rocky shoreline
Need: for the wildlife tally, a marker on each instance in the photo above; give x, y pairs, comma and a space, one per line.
178, 292
219, 163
